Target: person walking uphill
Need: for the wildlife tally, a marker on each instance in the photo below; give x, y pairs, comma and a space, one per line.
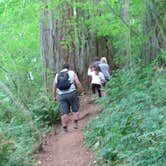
97, 80
105, 68
66, 86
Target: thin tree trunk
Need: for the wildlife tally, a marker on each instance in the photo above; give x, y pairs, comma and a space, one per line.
126, 51
44, 47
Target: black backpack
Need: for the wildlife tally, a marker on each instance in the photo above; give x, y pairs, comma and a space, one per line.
63, 82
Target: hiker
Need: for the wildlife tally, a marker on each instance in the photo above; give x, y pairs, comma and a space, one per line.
105, 68
94, 63
66, 87
97, 80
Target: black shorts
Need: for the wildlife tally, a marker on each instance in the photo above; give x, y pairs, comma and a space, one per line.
96, 87
67, 101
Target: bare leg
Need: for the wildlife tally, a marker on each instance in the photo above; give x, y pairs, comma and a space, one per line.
75, 117
64, 120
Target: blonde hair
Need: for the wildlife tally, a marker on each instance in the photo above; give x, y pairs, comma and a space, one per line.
103, 59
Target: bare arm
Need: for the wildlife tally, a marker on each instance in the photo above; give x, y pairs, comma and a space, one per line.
78, 83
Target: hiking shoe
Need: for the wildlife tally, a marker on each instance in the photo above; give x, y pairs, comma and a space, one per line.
75, 126
65, 129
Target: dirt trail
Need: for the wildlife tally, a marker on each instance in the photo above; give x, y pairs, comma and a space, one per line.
66, 149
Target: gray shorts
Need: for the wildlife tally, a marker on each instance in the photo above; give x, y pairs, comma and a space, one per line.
67, 101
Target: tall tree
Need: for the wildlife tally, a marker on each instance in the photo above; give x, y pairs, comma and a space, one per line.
153, 30
65, 37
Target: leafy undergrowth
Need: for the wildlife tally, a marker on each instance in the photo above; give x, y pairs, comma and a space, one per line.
131, 130
19, 134
23, 110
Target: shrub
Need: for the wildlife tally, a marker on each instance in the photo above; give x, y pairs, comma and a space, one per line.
45, 110
131, 129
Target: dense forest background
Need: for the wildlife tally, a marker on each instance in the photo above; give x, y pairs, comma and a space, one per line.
37, 37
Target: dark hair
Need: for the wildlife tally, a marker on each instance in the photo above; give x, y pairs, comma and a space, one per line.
66, 66
96, 68
96, 59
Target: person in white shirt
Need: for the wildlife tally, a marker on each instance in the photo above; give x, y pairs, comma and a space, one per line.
97, 79
94, 63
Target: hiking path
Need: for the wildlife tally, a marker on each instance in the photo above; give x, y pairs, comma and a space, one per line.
67, 149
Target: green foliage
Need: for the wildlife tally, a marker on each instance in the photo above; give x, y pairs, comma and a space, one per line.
45, 110
16, 135
21, 72
131, 129
16, 145
134, 131
19, 48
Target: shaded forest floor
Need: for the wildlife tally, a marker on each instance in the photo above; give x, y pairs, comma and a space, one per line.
67, 149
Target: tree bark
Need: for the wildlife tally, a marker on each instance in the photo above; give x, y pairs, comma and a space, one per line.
153, 32
126, 50
64, 41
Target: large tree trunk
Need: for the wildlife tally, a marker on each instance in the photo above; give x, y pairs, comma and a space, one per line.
45, 46
64, 41
153, 32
